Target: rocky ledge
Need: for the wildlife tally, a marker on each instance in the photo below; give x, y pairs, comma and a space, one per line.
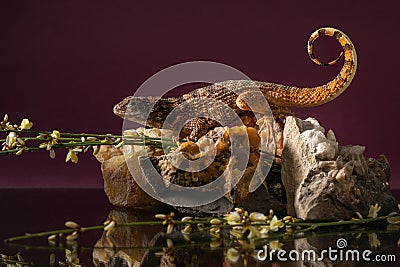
326, 181
319, 179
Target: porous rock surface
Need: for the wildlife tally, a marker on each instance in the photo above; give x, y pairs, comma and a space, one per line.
326, 181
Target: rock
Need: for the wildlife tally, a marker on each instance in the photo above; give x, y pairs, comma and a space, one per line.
123, 191
119, 185
326, 181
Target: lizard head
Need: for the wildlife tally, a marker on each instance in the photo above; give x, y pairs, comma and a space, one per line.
142, 110
121, 107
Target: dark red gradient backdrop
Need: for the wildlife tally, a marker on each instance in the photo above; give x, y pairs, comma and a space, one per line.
64, 64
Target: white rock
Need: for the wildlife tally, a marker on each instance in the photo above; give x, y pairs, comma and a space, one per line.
326, 181
331, 136
316, 124
326, 151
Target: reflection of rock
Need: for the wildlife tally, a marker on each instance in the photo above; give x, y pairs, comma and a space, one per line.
260, 200
127, 239
327, 181
346, 250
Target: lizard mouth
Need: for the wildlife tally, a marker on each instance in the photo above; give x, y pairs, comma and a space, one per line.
121, 108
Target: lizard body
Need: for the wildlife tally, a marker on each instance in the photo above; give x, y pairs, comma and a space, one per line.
234, 93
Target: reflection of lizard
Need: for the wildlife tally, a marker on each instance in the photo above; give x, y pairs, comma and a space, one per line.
235, 93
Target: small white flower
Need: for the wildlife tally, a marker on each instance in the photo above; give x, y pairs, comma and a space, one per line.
233, 218
72, 156
359, 215
52, 153
11, 139
275, 224
258, 217
52, 237
19, 152
25, 124
215, 221
110, 226
160, 216
288, 219
187, 219
55, 134
73, 225
373, 211
131, 133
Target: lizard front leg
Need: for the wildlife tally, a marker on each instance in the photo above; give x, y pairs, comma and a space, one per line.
260, 105
197, 127
252, 100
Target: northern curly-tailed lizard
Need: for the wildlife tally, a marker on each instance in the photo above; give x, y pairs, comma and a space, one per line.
234, 93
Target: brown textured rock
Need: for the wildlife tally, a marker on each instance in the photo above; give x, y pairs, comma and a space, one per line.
123, 191
327, 181
119, 185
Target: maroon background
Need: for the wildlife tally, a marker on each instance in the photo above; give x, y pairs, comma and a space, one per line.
65, 64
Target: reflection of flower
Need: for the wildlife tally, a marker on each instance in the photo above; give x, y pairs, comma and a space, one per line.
168, 219
373, 240
275, 245
216, 242
253, 231
394, 220
373, 211
233, 255
71, 258
393, 227
245, 249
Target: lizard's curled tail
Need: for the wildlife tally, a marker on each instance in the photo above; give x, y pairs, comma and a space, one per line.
291, 96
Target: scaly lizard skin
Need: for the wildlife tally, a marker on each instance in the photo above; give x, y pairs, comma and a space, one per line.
234, 94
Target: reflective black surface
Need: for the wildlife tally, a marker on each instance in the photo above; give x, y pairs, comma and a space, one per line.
36, 210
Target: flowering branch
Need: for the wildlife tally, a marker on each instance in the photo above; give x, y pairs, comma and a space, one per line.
18, 137
243, 225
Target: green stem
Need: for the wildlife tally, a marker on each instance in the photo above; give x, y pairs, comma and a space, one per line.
64, 134
339, 223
